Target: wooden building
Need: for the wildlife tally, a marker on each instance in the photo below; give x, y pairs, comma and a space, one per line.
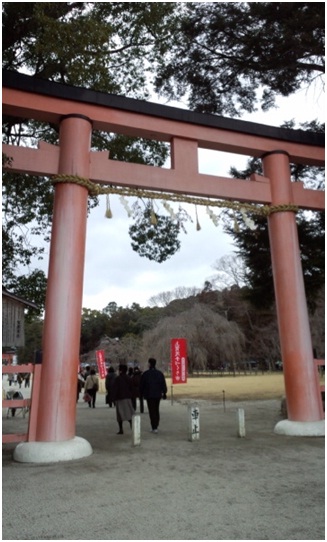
13, 309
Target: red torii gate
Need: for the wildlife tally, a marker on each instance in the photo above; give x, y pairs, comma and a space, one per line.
77, 112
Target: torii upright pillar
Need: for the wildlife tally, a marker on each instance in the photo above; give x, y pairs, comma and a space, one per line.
56, 420
305, 416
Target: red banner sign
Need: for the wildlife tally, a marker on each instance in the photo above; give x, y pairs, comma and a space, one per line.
179, 361
101, 362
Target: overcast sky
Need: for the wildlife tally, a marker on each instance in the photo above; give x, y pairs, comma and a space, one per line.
115, 273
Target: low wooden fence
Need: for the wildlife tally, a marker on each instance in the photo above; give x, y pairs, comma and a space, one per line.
28, 405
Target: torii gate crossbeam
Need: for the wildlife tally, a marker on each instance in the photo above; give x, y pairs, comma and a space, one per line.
77, 112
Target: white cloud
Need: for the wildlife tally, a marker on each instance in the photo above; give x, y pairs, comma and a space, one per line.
114, 272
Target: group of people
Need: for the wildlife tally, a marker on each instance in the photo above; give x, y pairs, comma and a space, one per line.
150, 385
135, 375
19, 379
123, 391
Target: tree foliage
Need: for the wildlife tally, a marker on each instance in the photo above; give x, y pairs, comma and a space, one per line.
132, 334
165, 298
253, 245
225, 57
93, 327
125, 350
230, 56
212, 340
115, 322
154, 236
231, 271
106, 46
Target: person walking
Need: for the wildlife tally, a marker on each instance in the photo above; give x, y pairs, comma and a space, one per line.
122, 396
86, 372
153, 388
91, 387
110, 378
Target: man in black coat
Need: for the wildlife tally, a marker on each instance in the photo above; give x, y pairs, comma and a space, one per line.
153, 388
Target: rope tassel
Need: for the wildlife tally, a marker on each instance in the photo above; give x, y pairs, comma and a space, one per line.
108, 213
198, 227
153, 218
236, 226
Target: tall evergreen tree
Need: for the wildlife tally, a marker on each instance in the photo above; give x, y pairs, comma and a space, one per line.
106, 46
253, 245
230, 56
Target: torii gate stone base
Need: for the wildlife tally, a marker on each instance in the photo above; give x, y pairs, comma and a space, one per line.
77, 112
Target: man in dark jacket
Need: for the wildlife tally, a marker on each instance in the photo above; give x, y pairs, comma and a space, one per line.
153, 388
110, 378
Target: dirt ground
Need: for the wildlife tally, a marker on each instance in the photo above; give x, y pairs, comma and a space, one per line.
222, 487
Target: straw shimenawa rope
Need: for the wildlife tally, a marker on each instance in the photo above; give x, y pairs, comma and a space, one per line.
97, 190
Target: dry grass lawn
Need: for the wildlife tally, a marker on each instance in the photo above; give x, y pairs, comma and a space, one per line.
236, 388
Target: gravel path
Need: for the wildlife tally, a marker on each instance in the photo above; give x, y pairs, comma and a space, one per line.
222, 487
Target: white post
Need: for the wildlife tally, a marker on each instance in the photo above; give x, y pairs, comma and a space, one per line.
241, 422
136, 430
193, 422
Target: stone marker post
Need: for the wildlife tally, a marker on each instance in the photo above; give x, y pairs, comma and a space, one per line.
193, 422
241, 422
136, 430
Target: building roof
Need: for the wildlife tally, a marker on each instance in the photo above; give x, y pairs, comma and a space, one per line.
15, 297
